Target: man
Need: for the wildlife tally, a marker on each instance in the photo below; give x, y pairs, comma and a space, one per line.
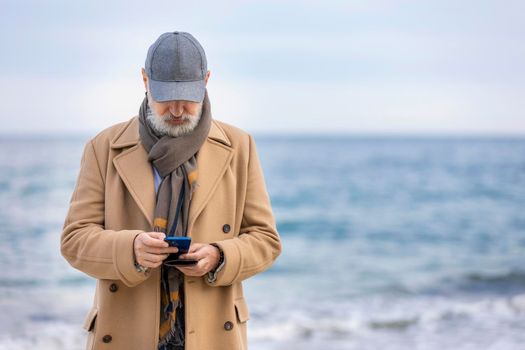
170, 171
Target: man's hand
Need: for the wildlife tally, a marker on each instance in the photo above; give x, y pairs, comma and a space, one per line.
151, 250
207, 256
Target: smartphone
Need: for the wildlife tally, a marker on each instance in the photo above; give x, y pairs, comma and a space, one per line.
179, 262
183, 243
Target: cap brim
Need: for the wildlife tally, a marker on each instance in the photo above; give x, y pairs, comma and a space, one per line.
163, 91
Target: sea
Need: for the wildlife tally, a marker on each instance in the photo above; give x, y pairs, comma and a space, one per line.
389, 242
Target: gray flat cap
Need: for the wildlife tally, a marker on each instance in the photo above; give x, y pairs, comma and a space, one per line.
176, 67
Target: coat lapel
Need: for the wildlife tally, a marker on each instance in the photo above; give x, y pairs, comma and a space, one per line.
212, 161
135, 170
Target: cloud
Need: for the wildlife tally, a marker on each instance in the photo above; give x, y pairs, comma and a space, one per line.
410, 107
384, 66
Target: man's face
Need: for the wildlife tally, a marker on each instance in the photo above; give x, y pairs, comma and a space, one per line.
173, 118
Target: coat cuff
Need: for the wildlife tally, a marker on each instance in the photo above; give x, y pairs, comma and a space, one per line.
124, 260
212, 275
230, 268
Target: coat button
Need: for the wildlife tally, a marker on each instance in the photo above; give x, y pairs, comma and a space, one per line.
107, 338
228, 325
113, 287
226, 228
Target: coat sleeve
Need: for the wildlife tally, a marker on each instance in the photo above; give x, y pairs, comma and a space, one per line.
84, 243
258, 244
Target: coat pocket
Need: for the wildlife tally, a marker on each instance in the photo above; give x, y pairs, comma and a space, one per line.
89, 321
241, 309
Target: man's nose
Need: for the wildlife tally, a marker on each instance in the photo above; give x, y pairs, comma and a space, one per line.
176, 109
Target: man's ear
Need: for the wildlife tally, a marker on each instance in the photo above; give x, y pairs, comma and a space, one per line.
145, 78
206, 78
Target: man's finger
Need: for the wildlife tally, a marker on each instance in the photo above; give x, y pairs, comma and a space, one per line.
157, 235
154, 242
193, 270
192, 256
194, 247
155, 258
157, 250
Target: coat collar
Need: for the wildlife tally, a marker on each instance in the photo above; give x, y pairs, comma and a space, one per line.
136, 172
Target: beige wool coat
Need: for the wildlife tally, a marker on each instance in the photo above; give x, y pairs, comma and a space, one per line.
114, 200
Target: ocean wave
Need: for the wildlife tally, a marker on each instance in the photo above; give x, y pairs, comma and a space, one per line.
20, 282
51, 335
15, 283
503, 283
368, 324
506, 277
380, 316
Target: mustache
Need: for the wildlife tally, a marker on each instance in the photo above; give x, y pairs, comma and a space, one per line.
169, 116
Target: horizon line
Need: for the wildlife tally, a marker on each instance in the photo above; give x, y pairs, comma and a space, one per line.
309, 134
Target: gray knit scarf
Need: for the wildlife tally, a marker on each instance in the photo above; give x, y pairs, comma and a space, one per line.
175, 160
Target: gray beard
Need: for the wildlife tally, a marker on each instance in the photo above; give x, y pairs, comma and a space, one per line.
162, 127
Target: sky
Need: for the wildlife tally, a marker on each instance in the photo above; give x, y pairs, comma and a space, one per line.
357, 67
